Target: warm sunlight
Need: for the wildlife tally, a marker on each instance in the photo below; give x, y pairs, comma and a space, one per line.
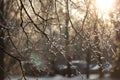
104, 5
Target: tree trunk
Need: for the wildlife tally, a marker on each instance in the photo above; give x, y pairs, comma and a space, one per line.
88, 58
67, 31
1, 41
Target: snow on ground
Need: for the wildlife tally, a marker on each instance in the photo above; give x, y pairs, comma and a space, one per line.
58, 77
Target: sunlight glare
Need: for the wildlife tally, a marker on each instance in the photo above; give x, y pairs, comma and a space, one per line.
104, 5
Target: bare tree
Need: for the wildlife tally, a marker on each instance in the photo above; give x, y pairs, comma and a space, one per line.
2, 46
50, 29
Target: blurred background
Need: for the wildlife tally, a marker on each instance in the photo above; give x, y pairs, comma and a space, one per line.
46, 38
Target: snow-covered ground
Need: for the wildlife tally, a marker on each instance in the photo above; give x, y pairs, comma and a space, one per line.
58, 77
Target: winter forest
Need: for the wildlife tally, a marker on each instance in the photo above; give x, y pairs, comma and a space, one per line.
70, 38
